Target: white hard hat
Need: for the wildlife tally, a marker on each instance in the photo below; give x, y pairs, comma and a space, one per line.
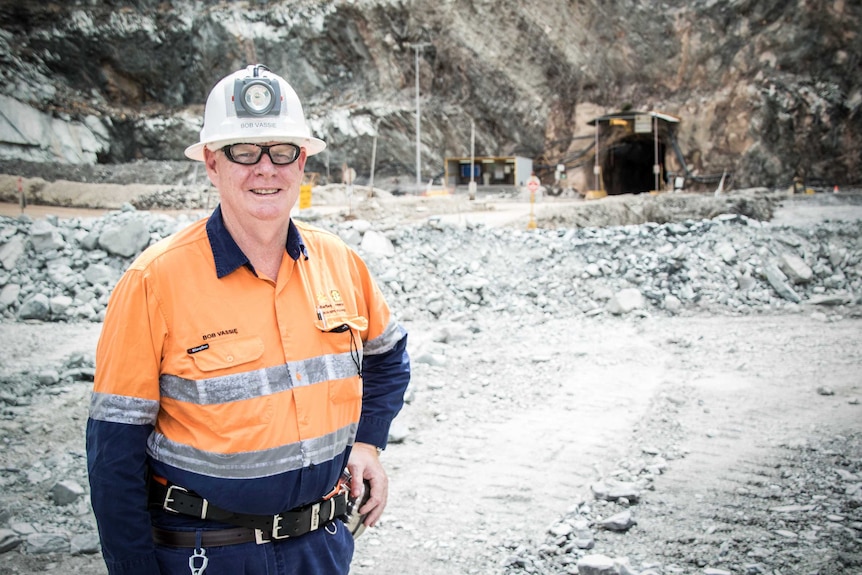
253, 106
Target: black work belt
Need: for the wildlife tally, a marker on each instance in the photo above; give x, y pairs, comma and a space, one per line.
261, 528
214, 538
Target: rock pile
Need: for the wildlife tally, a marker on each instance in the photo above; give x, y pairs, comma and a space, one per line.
63, 270
729, 264
40, 513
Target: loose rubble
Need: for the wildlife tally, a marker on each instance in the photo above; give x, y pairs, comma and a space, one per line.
40, 513
806, 512
63, 270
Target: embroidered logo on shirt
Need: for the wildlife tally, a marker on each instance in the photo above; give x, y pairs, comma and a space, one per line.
197, 348
331, 304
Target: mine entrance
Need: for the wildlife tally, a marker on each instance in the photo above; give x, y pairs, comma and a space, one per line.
630, 150
627, 166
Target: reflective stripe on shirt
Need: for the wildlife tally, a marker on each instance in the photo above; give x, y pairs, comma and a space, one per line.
252, 464
123, 409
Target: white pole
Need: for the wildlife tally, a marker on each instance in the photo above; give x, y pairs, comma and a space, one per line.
472, 148
416, 48
373, 160
655, 167
596, 166
471, 187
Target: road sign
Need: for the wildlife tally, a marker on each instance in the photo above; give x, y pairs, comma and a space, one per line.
309, 180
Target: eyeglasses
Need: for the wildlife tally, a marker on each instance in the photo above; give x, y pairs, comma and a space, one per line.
250, 154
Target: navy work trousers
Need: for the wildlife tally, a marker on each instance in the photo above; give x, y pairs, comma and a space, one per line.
327, 551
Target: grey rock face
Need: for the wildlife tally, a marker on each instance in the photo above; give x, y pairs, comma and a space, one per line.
9, 540
40, 543
36, 307
792, 74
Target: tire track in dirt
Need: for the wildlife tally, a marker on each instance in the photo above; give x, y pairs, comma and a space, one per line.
507, 462
745, 399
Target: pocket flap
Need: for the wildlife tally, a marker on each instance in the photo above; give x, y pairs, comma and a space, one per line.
228, 353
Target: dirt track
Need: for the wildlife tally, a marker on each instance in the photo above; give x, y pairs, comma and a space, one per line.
502, 444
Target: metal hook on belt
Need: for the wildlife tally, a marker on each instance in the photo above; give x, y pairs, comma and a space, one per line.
198, 553
202, 555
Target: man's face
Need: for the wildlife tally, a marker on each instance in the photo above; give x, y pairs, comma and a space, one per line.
260, 191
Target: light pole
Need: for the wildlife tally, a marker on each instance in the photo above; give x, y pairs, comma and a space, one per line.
417, 48
373, 159
472, 147
656, 168
596, 169
472, 186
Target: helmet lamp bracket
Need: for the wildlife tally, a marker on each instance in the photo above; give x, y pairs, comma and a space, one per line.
256, 96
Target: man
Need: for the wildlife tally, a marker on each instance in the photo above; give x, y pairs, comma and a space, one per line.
243, 363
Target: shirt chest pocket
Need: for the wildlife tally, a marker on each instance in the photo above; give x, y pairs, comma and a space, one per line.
238, 354
230, 388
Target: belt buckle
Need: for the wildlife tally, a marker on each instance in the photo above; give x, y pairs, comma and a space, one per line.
166, 504
258, 537
314, 522
276, 528
315, 516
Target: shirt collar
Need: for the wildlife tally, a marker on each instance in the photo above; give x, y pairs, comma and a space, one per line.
228, 255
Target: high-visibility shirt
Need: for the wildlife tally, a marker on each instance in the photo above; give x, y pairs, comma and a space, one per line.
246, 390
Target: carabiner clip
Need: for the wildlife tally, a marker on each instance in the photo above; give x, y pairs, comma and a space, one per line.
202, 555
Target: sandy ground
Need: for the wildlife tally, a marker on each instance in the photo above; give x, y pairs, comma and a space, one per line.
514, 428
512, 432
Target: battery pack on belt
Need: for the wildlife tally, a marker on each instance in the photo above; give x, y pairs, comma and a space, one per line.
176, 499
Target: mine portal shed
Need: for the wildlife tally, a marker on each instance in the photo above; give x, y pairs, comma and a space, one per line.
488, 171
630, 151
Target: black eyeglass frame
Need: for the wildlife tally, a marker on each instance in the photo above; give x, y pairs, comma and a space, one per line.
228, 152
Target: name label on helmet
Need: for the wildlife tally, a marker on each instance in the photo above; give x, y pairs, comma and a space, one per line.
255, 125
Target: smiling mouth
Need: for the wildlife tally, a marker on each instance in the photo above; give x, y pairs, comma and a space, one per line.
265, 191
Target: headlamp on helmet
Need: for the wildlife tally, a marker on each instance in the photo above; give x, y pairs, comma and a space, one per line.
256, 96
254, 106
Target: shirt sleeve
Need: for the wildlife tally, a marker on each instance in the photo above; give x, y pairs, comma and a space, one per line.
116, 462
123, 409
385, 363
385, 376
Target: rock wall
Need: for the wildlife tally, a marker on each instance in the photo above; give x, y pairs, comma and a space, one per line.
766, 90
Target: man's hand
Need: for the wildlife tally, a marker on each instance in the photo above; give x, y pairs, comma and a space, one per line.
364, 465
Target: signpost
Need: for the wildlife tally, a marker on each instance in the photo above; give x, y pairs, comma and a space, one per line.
21, 197
309, 180
348, 176
533, 185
